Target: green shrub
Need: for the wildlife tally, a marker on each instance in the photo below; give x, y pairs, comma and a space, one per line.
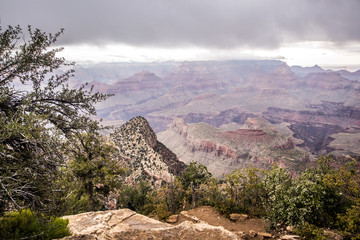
161, 211
310, 232
137, 198
246, 191
26, 224
349, 222
194, 175
278, 182
306, 198
226, 207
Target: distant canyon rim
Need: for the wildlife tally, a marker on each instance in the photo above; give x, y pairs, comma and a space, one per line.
288, 115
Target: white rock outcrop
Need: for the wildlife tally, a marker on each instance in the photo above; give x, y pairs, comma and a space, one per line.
127, 224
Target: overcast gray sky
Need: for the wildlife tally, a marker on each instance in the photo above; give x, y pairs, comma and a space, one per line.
170, 29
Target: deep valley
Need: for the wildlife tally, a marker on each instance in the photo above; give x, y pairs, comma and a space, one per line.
202, 110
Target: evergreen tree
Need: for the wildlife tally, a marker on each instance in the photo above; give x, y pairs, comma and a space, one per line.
194, 175
92, 171
38, 111
246, 191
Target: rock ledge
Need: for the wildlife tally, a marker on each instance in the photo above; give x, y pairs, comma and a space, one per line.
127, 224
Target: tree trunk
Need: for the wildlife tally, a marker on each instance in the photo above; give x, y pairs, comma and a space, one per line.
193, 195
91, 198
173, 198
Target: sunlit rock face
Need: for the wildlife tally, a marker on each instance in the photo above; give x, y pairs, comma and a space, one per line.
139, 151
256, 143
127, 224
317, 109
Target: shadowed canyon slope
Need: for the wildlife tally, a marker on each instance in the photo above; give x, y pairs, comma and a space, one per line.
319, 109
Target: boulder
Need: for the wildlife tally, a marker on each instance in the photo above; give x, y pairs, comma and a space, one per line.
172, 219
252, 233
290, 237
189, 217
127, 224
264, 235
110, 221
238, 217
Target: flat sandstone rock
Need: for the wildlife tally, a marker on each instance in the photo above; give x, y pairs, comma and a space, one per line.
127, 224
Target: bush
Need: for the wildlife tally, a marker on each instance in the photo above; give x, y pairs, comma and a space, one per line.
169, 199
306, 198
246, 191
195, 175
349, 222
310, 231
138, 198
27, 224
277, 185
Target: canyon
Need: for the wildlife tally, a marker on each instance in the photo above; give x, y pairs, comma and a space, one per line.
249, 112
256, 143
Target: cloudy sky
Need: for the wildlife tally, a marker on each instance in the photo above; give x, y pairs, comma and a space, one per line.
300, 32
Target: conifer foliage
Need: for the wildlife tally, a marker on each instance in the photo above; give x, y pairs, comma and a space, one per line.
38, 112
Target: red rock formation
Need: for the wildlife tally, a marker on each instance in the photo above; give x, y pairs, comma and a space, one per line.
249, 135
223, 151
221, 92
211, 147
316, 126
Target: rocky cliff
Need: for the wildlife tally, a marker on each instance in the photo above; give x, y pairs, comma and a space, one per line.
320, 108
257, 143
211, 87
142, 155
321, 125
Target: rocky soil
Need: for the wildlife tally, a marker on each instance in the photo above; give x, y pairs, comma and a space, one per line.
211, 216
126, 224
202, 223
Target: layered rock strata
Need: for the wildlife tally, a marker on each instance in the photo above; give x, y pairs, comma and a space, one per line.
257, 143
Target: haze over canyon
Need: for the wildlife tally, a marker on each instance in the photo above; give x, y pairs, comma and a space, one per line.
232, 114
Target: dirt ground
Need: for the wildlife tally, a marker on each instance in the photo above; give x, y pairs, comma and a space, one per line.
213, 217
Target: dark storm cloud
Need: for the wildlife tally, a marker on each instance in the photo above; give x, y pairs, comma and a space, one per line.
203, 23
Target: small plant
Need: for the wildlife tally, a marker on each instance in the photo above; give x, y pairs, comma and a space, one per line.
26, 224
310, 231
349, 222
